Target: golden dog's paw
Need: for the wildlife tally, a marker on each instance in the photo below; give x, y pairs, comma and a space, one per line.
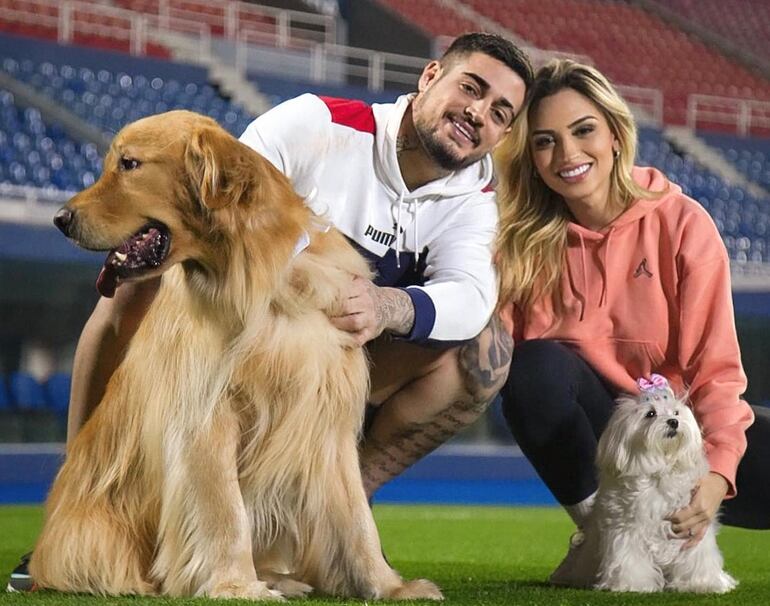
291, 588
418, 589
250, 591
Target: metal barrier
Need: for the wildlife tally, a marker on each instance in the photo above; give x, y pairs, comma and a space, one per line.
227, 18
745, 115
647, 101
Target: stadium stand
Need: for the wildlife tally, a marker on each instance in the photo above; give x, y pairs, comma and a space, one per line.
628, 44
745, 23
119, 89
40, 155
750, 156
90, 24
279, 89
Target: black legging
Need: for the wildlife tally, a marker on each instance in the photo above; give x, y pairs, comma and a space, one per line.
556, 407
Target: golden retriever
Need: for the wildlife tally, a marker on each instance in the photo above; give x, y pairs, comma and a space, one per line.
222, 460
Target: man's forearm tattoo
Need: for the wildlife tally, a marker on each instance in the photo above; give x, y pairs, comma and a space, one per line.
485, 360
395, 311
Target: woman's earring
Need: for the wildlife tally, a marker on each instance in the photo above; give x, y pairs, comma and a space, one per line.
616, 153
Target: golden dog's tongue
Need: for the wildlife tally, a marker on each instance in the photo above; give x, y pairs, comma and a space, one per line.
107, 281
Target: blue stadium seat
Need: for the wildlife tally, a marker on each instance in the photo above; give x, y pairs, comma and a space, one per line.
26, 393
751, 156
57, 391
34, 153
11, 424
5, 400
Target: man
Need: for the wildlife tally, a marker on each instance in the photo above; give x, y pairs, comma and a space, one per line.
410, 185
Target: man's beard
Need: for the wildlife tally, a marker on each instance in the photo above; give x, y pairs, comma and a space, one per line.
439, 152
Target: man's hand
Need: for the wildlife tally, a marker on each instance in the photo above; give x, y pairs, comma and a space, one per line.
692, 521
366, 311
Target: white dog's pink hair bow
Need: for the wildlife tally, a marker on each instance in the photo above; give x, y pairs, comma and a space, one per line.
655, 382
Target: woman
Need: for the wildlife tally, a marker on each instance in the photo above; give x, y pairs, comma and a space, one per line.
608, 273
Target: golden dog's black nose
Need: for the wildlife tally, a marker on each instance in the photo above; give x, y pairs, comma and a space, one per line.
63, 220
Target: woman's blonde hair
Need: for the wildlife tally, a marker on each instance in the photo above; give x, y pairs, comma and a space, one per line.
532, 233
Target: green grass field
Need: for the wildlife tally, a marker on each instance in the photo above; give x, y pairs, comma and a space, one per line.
478, 555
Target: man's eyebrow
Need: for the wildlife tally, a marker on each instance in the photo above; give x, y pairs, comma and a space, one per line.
485, 87
479, 80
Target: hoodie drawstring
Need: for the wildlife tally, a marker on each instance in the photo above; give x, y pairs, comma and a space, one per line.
605, 276
416, 237
398, 229
416, 227
605, 253
584, 271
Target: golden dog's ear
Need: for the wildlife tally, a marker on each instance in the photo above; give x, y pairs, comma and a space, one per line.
214, 161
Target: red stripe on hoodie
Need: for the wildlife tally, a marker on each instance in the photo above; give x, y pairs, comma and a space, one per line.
352, 113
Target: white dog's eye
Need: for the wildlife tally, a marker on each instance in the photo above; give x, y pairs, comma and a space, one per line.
676, 413
650, 413
129, 163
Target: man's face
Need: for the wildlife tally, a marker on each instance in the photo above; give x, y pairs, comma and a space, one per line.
464, 108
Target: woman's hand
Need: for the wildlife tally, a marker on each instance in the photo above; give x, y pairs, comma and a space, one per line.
692, 521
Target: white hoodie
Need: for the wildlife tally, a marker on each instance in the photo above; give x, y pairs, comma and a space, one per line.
340, 155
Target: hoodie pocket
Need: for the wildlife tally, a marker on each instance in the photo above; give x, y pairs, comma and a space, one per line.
641, 358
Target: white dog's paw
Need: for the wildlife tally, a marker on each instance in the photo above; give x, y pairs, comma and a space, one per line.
418, 589
256, 590
721, 583
628, 587
291, 588
626, 581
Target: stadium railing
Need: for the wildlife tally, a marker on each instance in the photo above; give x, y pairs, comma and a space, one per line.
140, 29
746, 116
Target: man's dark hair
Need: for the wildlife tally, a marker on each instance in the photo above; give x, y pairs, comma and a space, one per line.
496, 47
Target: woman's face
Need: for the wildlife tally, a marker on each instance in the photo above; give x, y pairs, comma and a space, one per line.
572, 147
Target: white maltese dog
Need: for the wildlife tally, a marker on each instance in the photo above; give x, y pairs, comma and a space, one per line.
650, 458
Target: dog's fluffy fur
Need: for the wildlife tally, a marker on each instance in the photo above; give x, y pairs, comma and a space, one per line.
649, 459
222, 460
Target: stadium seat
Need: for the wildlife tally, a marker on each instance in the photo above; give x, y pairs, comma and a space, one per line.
57, 392
5, 400
26, 393
38, 422
741, 22
11, 429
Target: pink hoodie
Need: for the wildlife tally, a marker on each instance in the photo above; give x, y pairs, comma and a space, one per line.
651, 293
